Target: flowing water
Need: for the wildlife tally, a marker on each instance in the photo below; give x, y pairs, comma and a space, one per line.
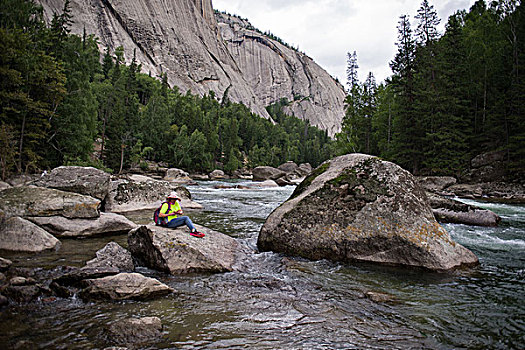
278, 302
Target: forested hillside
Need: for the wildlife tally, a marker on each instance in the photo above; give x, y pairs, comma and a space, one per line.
61, 105
451, 96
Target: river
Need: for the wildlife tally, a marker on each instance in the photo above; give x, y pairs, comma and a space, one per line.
278, 302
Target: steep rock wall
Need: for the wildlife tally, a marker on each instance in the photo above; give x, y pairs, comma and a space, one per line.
276, 71
183, 39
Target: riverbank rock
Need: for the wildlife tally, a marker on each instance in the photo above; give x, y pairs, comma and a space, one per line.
18, 234
83, 180
106, 223
4, 185
217, 175
487, 167
262, 173
41, 201
5, 264
358, 208
174, 251
112, 255
124, 286
436, 184
451, 211
289, 167
304, 169
135, 332
139, 192
178, 176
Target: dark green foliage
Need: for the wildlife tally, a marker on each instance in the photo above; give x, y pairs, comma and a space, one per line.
451, 97
58, 101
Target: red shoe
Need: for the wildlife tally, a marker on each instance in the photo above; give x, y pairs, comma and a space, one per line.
197, 234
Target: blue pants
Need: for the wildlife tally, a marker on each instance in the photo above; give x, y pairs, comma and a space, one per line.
181, 220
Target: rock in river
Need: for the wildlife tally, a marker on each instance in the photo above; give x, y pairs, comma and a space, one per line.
124, 286
84, 180
17, 234
106, 223
175, 251
135, 332
40, 201
360, 208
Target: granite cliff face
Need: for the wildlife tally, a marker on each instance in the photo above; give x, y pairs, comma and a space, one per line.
276, 71
201, 51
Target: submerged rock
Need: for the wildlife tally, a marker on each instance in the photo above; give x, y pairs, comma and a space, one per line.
41, 201
135, 332
17, 234
359, 208
106, 223
84, 180
124, 286
175, 251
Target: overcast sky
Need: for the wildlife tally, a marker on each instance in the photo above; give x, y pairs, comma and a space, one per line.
327, 29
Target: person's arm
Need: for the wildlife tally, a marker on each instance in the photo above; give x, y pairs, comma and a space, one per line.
163, 213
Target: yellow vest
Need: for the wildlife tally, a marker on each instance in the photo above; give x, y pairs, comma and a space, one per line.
174, 207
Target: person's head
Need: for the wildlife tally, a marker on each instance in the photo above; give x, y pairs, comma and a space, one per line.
173, 197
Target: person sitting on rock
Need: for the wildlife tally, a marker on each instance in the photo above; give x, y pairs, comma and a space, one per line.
171, 209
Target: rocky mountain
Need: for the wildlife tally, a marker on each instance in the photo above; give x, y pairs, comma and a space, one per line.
204, 51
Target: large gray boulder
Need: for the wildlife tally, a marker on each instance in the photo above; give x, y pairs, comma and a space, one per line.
174, 251
17, 234
106, 223
359, 208
84, 180
40, 201
124, 286
262, 173
141, 192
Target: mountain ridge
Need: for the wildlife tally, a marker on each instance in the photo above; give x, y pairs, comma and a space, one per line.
194, 46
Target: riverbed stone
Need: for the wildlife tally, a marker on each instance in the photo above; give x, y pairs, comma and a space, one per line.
135, 332
448, 210
106, 223
84, 180
125, 286
41, 201
75, 276
113, 255
262, 173
359, 208
5, 264
174, 251
18, 234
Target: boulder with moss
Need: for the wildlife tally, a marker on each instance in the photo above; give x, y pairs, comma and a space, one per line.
359, 208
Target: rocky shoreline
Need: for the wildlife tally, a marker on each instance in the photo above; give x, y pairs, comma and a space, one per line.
36, 213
